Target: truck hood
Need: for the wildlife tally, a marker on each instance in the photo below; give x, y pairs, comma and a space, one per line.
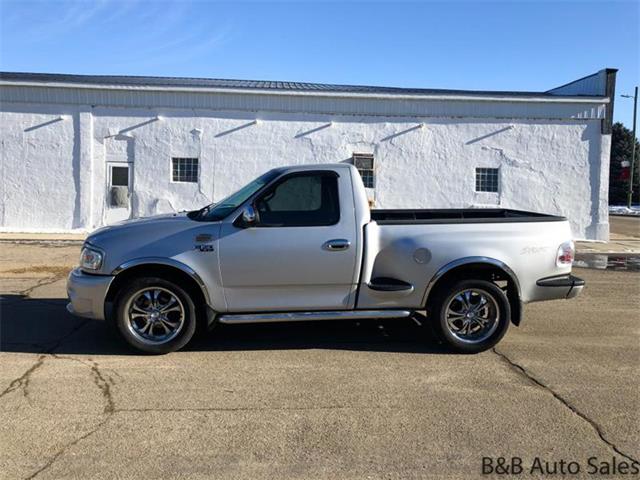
160, 236
137, 226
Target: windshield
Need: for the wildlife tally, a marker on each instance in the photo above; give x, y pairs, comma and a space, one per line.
218, 211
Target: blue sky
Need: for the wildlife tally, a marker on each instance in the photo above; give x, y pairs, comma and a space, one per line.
469, 45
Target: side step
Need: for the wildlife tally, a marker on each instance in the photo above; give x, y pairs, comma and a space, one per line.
304, 316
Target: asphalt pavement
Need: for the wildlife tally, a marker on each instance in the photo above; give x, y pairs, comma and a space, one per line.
320, 400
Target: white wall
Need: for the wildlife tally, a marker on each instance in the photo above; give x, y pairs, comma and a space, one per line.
54, 176
39, 158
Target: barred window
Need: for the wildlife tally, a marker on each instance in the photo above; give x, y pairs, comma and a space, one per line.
487, 180
185, 170
364, 163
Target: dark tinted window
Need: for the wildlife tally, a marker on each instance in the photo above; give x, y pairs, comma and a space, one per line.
300, 200
120, 176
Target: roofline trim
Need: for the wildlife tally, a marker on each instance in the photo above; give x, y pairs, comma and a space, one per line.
542, 98
605, 70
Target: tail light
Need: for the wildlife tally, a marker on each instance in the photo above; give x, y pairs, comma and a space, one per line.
566, 254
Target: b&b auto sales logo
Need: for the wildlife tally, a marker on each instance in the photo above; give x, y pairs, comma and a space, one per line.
541, 467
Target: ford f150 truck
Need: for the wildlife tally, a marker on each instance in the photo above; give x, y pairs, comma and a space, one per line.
300, 243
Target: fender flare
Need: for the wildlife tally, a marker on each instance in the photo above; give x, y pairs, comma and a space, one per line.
468, 261
169, 262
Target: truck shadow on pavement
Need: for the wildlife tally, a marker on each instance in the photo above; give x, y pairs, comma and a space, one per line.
43, 325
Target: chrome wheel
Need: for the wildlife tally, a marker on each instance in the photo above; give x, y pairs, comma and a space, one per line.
155, 315
472, 315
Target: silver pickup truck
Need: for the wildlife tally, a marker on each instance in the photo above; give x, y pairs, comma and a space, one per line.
300, 243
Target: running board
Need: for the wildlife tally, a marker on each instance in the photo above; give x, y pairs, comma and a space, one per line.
304, 316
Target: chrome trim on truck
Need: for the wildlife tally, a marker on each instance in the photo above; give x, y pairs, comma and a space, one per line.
304, 316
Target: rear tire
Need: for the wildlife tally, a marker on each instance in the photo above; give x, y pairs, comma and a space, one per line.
470, 315
155, 315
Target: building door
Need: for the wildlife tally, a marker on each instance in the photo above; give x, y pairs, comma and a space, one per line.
119, 188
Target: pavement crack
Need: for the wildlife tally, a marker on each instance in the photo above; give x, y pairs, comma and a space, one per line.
69, 445
103, 384
22, 382
59, 342
50, 347
519, 369
41, 283
105, 387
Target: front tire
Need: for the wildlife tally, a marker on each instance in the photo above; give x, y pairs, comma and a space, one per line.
471, 315
155, 315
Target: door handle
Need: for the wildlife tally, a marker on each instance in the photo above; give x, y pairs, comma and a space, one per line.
336, 245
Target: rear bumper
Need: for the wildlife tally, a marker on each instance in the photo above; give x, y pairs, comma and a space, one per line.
87, 294
562, 286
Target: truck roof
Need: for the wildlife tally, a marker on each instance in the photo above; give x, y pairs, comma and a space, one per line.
316, 166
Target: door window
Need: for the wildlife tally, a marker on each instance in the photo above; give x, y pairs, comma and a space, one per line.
309, 199
119, 176
119, 187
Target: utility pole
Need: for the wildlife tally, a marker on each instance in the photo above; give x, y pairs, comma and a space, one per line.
633, 148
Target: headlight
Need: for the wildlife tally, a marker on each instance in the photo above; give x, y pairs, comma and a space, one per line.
90, 259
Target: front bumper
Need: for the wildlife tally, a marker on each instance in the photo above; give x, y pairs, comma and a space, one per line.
562, 286
87, 294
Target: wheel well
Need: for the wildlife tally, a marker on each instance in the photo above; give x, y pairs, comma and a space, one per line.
488, 272
166, 272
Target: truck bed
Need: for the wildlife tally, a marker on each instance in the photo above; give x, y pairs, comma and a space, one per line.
464, 215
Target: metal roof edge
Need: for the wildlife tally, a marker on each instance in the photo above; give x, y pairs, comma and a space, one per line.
453, 95
605, 70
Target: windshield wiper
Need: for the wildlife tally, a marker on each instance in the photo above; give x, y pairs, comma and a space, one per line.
204, 211
199, 214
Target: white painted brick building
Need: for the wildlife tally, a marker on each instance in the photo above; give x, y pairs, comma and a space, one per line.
79, 152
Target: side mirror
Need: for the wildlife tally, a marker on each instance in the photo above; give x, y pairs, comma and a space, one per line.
249, 216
